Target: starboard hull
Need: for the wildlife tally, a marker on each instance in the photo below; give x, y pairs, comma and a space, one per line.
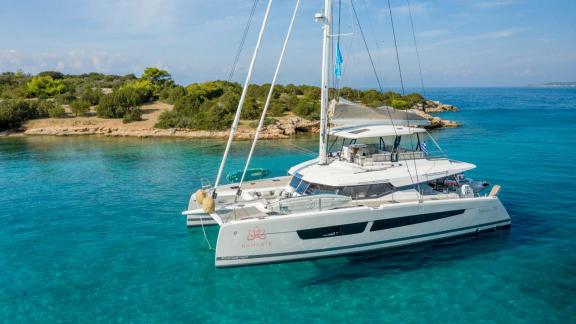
342, 231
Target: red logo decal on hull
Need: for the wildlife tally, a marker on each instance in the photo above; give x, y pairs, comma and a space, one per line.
256, 233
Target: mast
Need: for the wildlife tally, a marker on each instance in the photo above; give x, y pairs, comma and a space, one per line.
326, 20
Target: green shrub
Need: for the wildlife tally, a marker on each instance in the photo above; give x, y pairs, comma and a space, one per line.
277, 108
188, 105
251, 109
80, 107
112, 106
414, 98
56, 111
65, 98
172, 94
309, 109
400, 104
120, 102
20, 92
14, 113
137, 92
91, 95
207, 90
48, 108
133, 114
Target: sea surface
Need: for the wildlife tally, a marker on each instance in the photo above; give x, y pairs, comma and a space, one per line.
91, 231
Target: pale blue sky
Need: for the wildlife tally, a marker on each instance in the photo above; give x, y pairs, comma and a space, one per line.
462, 42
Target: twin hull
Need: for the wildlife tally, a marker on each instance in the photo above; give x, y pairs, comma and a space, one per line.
292, 237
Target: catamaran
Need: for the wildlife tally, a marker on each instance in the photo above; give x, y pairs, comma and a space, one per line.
376, 184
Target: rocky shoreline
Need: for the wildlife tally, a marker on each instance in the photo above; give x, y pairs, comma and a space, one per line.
284, 127
433, 107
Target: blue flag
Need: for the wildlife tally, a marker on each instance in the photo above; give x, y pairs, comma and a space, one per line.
339, 61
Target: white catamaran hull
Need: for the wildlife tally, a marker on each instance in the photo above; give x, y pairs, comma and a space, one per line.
344, 231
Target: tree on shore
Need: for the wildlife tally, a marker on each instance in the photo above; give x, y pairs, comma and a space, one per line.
157, 76
80, 107
45, 86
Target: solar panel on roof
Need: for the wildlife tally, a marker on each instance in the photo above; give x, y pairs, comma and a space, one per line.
358, 131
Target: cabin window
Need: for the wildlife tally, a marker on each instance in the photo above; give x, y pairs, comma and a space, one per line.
367, 191
355, 192
318, 189
330, 231
383, 224
379, 190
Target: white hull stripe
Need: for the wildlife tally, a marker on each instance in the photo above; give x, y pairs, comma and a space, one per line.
357, 245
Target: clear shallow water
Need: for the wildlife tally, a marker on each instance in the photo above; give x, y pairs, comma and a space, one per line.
91, 232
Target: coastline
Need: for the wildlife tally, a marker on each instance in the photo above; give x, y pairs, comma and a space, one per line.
284, 127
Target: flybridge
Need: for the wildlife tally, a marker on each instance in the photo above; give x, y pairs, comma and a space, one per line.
368, 131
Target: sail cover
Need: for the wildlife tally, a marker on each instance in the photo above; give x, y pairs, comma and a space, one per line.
347, 113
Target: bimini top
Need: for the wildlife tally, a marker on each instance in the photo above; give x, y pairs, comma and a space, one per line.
357, 132
347, 113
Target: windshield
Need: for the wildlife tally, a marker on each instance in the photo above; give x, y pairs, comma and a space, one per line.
299, 185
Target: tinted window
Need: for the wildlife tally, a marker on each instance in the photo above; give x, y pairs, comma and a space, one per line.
410, 220
330, 231
317, 189
356, 192
367, 191
379, 190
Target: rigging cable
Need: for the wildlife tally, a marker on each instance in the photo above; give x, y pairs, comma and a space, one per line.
417, 52
396, 47
243, 40
366, 46
401, 81
242, 98
270, 92
380, 85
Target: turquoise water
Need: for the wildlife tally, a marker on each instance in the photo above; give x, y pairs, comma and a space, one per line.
90, 231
